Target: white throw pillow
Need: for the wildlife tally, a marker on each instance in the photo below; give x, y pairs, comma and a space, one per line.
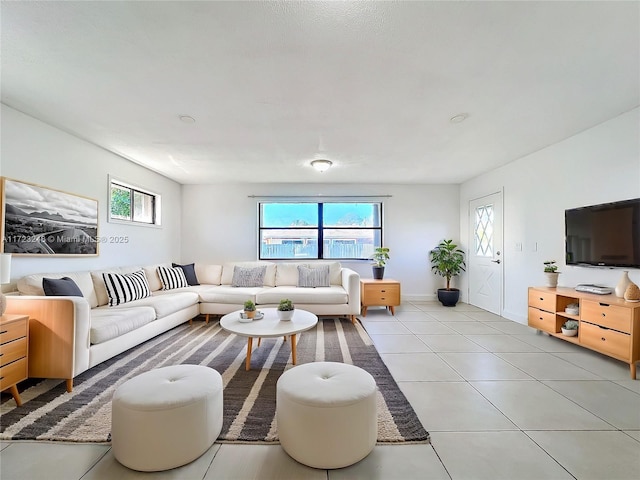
172, 277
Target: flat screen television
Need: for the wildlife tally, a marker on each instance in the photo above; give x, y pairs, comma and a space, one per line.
606, 235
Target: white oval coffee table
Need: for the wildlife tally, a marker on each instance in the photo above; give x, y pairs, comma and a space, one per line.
268, 327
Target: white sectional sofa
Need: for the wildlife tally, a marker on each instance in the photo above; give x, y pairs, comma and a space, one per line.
70, 334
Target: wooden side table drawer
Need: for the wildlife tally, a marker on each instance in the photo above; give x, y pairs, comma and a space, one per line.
543, 300
610, 316
542, 320
604, 340
13, 373
382, 294
12, 351
13, 330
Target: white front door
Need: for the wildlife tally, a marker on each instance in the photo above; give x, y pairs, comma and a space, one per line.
485, 260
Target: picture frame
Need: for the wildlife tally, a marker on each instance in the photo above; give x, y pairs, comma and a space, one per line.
42, 221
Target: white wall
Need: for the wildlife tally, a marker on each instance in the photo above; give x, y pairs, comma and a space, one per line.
599, 165
220, 224
35, 152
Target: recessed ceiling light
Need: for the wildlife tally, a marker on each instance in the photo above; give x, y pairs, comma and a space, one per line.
321, 164
459, 118
187, 119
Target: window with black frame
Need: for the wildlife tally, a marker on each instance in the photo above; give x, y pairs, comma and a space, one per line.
313, 230
133, 204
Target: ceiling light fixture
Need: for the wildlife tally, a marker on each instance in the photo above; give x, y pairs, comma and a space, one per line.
459, 118
187, 119
321, 165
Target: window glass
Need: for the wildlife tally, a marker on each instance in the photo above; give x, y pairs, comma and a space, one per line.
340, 230
132, 204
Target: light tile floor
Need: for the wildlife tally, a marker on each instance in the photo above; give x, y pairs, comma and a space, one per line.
499, 400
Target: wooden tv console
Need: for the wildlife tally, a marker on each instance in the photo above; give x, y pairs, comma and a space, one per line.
607, 324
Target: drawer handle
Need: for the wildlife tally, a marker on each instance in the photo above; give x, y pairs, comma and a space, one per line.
541, 298
604, 314
382, 291
603, 339
604, 304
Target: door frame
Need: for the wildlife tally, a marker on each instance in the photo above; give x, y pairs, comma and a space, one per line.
471, 243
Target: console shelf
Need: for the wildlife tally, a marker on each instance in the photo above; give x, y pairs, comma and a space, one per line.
607, 324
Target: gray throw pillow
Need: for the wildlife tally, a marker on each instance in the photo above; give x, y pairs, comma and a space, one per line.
62, 287
313, 277
248, 276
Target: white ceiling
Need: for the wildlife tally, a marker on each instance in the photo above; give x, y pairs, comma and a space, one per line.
368, 85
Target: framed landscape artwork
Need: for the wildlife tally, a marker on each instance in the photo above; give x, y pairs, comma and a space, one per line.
37, 220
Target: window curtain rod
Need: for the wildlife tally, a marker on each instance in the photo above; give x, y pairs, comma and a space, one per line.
319, 196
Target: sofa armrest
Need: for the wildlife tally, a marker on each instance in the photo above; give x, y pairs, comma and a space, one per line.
58, 334
351, 283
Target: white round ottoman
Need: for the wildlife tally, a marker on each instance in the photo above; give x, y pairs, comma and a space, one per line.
167, 417
326, 414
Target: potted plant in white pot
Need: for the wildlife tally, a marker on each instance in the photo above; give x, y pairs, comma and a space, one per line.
380, 257
447, 261
570, 328
551, 272
285, 309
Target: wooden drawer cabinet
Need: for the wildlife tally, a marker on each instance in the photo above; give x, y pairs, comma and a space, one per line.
607, 324
542, 300
14, 349
385, 293
542, 320
607, 315
605, 340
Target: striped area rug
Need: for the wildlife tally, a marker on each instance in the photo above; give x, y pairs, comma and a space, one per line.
84, 415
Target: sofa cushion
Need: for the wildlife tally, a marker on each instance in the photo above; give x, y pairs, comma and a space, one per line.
151, 272
172, 278
208, 274
32, 284
333, 295
313, 277
231, 295
165, 304
287, 273
63, 287
189, 273
248, 276
108, 323
124, 288
98, 282
269, 275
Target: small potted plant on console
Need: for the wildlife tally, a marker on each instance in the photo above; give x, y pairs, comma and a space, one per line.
570, 328
551, 272
249, 309
285, 309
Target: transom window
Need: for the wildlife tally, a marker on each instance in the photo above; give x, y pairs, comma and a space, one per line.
305, 230
133, 204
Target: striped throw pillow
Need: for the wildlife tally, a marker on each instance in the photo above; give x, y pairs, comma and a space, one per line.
313, 277
126, 288
248, 276
172, 278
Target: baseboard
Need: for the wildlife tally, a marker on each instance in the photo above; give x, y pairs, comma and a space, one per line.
419, 298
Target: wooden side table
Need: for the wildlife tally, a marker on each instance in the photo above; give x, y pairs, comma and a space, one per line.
14, 352
384, 293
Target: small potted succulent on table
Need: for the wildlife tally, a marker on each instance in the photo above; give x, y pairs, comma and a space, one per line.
249, 309
285, 309
551, 272
570, 328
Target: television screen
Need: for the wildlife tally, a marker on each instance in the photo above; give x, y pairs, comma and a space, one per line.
604, 235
